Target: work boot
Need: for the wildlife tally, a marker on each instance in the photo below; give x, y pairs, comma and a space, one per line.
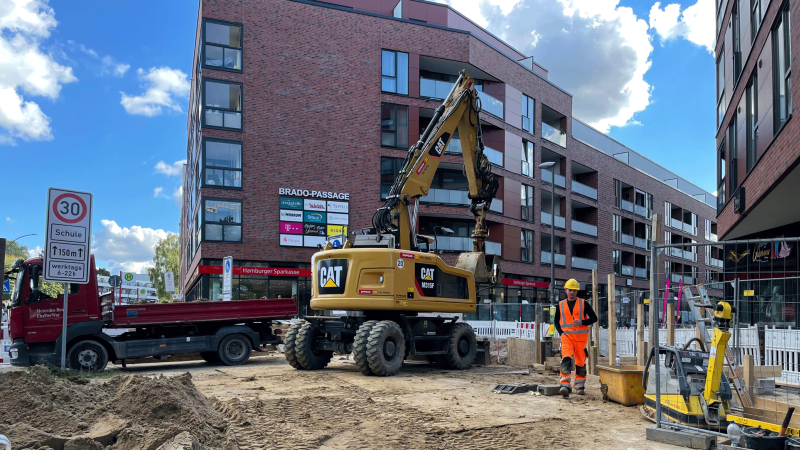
581, 391
564, 391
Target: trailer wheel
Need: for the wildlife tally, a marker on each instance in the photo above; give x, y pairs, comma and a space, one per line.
386, 348
88, 356
360, 347
234, 349
308, 357
290, 344
210, 357
461, 347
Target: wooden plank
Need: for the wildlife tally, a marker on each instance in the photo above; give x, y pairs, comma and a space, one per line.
771, 415
612, 320
654, 267
596, 326
767, 371
641, 344
671, 324
537, 329
748, 374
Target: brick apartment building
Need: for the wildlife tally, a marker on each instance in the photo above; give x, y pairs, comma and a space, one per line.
301, 113
757, 150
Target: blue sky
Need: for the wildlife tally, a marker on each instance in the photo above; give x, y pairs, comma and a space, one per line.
101, 104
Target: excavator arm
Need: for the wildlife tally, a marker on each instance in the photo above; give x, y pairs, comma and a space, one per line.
460, 112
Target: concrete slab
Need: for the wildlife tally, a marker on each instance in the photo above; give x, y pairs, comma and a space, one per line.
548, 389
681, 438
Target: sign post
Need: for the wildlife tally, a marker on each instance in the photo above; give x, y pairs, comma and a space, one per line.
169, 282
67, 245
227, 278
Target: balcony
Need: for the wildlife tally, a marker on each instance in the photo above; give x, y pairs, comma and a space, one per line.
448, 197
627, 271
492, 248
497, 206
559, 222
464, 244
689, 228
584, 228
640, 242
554, 135
643, 211
583, 263
560, 181
582, 189
713, 237
716, 263
641, 272
561, 260
434, 89
676, 223
676, 278
626, 205
490, 104
494, 156
689, 255
627, 239
675, 252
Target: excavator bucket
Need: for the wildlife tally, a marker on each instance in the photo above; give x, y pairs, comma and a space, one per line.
486, 268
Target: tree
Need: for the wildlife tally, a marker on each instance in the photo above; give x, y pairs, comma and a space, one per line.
14, 252
103, 272
166, 259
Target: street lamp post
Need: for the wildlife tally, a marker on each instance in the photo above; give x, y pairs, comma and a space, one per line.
549, 165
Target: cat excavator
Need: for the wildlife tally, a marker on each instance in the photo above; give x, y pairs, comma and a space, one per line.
384, 295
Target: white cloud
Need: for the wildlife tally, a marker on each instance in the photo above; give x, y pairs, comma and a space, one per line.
35, 252
26, 69
594, 49
128, 249
110, 65
177, 197
157, 191
166, 88
172, 170
8, 219
696, 24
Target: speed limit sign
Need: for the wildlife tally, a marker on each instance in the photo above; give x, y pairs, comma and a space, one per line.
68, 235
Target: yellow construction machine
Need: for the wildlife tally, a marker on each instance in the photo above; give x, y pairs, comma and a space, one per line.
383, 277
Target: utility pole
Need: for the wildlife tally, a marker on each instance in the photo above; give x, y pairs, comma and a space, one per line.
655, 238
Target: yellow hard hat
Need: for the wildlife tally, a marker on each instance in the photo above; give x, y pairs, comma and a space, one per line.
572, 283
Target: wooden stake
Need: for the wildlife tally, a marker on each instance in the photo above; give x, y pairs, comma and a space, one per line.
594, 348
641, 348
671, 324
537, 352
748, 374
612, 322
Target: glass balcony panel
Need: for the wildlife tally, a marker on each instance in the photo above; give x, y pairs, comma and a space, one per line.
676, 252
640, 242
583, 263
491, 105
584, 228
626, 205
580, 188
561, 260
716, 262
676, 278
713, 237
497, 205
627, 239
554, 135
559, 180
627, 271
677, 224
559, 221
641, 211
492, 248
641, 272
494, 156
687, 227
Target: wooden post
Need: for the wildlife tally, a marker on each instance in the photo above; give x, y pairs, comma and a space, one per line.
748, 373
656, 237
537, 352
612, 322
594, 350
641, 348
671, 324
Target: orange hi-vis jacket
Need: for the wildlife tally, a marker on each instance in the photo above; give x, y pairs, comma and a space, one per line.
567, 317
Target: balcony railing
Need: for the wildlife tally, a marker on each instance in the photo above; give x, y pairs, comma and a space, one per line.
716, 263
554, 135
448, 197
490, 104
559, 179
627, 271
561, 260
559, 221
434, 89
626, 205
454, 146
492, 248
494, 156
688, 254
580, 188
676, 252
643, 211
675, 223
497, 206
584, 263
713, 237
584, 228
689, 228
640, 242
676, 278
464, 244
641, 272
627, 239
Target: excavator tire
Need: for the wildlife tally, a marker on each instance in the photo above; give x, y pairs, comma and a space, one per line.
360, 347
461, 347
289, 344
307, 357
386, 348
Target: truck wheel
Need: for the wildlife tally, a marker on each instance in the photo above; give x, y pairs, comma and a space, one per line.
234, 350
88, 356
290, 345
386, 348
210, 357
461, 347
307, 356
360, 347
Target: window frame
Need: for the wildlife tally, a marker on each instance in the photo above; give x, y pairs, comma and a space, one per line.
394, 160
529, 192
396, 77
204, 107
733, 158
529, 234
528, 150
721, 106
203, 221
396, 106
751, 123
756, 18
526, 102
206, 165
736, 36
203, 44
783, 20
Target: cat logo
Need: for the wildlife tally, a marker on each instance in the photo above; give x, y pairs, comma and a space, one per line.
331, 276
427, 273
425, 279
441, 144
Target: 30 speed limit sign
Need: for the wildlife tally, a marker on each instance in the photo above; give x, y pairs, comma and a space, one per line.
68, 236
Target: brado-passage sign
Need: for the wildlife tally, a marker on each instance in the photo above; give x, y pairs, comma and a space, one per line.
68, 236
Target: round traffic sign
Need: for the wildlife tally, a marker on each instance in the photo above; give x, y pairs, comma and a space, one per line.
129, 277
115, 281
69, 208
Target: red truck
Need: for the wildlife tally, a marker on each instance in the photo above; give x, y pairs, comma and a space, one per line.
223, 332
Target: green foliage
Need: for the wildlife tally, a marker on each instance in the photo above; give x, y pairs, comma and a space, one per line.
166, 259
103, 272
14, 252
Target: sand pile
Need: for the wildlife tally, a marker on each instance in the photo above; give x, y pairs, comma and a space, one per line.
125, 413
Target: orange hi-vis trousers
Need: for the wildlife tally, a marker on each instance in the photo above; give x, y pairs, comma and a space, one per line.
573, 350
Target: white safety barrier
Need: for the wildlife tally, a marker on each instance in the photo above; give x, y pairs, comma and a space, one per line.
503, 330
5, 343
782, 348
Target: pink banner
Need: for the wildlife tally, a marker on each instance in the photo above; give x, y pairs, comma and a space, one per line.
291, 228
666, 295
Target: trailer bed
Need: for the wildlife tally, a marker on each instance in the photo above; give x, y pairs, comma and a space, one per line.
126, 316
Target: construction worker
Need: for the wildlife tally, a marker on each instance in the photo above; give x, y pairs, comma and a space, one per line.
573, 318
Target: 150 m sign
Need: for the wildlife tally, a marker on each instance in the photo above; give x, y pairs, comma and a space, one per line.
68, 232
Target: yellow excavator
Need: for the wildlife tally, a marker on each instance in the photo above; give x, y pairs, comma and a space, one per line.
380, 280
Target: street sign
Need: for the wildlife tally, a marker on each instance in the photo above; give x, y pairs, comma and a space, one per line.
169, 282
227, 277
749, 293
128, 276
177, 297
68, 236
115, 281
7, 287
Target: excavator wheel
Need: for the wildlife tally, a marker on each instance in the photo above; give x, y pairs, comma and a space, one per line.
307, 357
461, 347
360, 347
289, 344
386, 348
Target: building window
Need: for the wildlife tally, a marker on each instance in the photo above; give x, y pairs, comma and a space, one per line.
737, 42
526, 246
720, 87
527, 158
751, 121
397, 12
390, 167
782, 69
526, 200
394, 72
617, 228
222, 220
223, 104
756, 16
732, 153
394, 125
222, 163
617, 193
617, 258
222, 45
527, 113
